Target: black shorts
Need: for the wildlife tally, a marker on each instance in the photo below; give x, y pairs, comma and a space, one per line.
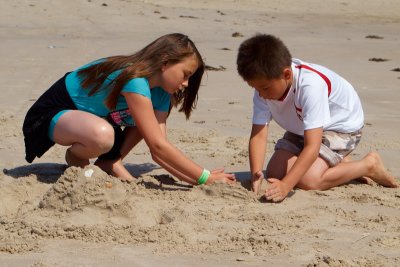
37, 122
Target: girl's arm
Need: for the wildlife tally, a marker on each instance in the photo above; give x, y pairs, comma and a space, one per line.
133, 136
312, 143
161, 150
162, 121
161, 117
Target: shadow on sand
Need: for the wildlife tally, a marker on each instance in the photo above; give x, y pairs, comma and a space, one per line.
51, 172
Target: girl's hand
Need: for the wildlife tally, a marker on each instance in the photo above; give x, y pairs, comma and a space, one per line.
256, 180
219, 175
277, 191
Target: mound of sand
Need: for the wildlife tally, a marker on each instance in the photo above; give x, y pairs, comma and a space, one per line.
89, 205
172, 217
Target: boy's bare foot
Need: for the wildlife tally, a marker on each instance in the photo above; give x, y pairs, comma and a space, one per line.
72, 160
377, 171
365, 180
115, 168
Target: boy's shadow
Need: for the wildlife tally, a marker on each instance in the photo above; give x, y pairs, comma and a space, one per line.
244, 178
51, 172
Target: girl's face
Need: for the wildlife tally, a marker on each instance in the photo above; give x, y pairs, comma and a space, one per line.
175, 77
272, 89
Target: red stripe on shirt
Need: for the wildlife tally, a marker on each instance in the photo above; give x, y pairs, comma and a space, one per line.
284, 95
328, 82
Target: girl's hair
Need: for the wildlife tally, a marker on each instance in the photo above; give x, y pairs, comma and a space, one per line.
262, 56
170, 48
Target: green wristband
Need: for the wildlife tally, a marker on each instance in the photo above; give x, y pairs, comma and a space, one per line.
203, 177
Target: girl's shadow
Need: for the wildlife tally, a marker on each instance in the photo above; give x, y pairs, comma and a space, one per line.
51, 172
45, 172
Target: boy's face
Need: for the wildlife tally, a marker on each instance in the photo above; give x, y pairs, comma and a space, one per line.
272, 89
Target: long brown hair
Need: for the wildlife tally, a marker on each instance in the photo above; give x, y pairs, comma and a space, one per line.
170, 48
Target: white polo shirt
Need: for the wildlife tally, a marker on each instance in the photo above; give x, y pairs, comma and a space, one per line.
317, 98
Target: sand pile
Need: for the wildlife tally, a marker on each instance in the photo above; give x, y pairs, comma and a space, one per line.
169, 216
91, 187
89, 205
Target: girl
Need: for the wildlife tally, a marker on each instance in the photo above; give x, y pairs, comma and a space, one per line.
87, 108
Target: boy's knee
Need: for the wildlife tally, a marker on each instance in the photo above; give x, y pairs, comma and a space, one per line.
310, 187
275, 173
314, 183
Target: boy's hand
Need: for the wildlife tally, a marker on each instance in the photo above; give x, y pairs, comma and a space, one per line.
277, 191
256, 180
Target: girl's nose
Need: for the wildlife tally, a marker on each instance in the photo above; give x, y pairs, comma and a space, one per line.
185, 83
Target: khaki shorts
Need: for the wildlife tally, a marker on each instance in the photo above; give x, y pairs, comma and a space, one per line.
334, 147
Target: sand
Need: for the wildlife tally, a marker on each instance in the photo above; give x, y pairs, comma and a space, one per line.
51, 215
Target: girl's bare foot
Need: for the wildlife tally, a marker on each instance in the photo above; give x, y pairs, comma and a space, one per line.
72, 160
115, 168
377, 171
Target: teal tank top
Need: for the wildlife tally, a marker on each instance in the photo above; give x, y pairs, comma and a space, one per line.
94, 104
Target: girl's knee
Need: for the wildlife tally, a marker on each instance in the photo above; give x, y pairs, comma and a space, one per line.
103, 138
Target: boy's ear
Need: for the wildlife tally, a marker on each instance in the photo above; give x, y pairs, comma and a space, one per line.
287, 73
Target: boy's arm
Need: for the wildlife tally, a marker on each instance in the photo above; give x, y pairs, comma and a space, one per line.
257, 148
281, 188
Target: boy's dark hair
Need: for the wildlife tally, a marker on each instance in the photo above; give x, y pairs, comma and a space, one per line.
262, 56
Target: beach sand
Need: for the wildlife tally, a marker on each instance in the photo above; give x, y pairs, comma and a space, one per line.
51, 215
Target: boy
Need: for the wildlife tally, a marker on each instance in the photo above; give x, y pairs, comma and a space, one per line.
321, 113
